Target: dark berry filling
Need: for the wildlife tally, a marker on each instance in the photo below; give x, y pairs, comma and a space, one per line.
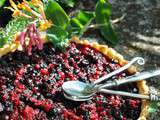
30, 86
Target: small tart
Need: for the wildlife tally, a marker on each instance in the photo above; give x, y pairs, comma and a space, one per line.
106, 51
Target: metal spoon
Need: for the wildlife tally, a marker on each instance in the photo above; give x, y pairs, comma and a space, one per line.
82, 90
82, 85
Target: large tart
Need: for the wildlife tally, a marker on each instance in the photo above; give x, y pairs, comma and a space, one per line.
30, 86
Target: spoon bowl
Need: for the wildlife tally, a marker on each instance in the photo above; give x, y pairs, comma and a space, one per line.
78, 88
77, 98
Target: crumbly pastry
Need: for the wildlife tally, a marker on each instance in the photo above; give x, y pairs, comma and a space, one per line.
104, 49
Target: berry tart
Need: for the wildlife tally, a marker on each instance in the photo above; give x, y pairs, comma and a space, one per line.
30, 81
30, 86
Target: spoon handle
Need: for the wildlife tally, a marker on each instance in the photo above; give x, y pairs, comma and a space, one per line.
151, 96
134, 78
113, 92
139, 60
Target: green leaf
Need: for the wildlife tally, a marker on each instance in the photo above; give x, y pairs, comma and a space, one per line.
58, 36
81, 21
56, 14
153, 107
103, 13
2, 2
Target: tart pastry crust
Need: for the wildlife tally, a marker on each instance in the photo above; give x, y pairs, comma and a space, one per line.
109, 52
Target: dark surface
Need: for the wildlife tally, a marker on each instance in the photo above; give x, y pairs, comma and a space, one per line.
5, 14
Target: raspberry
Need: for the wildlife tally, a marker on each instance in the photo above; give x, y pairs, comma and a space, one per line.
28, 113
21, 71
37, 66
133, 103
44, 71
62, 75
51, 66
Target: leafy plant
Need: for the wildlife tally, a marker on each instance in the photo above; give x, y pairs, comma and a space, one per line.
58, 36
64, 27
56, 14
81, 22
103, 13
8, 33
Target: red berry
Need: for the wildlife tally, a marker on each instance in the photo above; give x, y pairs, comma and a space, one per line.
99, 109
62, 75
21, 71
124, 118
37, 66
28, 113
47, 106
44, 71
4, 97
35, 89
99, 102
20, 86
51, 66
133, 103
103, 113
72, 77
